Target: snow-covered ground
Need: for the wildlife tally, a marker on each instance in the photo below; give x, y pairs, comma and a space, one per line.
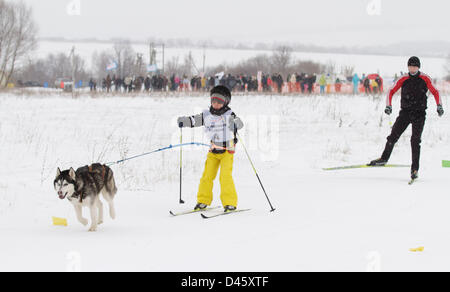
387, 66
356, 220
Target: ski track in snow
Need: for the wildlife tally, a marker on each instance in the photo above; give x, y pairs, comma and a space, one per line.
353, 220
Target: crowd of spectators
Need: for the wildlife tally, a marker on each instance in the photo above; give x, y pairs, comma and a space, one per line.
262, 82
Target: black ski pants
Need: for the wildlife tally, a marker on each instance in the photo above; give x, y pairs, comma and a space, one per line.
407, 117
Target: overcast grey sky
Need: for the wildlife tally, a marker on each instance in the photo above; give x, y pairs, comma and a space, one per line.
319, 22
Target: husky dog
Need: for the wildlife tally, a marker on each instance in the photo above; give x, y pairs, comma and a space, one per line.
83, 187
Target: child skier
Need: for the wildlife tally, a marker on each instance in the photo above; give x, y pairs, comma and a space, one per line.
221, 126
415, 86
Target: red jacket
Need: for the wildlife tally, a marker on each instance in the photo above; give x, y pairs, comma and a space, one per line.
414, 91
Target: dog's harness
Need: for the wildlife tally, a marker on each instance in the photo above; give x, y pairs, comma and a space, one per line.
76, 194
103, 171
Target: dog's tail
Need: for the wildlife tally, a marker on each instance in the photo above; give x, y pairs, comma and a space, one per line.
110, 183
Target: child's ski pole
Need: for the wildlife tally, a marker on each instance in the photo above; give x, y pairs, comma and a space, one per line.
254, 169
181, 165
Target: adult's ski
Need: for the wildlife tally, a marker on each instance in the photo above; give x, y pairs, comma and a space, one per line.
192, 211
223, 214
365, 166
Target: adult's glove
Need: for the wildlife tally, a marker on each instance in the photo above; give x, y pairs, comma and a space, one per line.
440, 110
184, 122
388, 110
235, 124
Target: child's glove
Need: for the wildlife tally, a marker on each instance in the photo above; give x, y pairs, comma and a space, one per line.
440, 110
236, 124
184, 122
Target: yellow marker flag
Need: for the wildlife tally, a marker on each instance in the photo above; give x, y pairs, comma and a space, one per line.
59, 221
419, 249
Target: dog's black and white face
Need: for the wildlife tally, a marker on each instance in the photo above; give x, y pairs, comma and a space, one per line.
65, 183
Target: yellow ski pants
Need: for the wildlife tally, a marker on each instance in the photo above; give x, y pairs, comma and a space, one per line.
228, 194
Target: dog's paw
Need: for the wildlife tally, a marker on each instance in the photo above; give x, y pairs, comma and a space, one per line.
100, 222
93, 229
84, 222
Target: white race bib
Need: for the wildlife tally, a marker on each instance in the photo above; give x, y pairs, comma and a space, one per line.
217, 128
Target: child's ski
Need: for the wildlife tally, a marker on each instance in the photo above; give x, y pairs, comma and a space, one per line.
192, 211
224, 213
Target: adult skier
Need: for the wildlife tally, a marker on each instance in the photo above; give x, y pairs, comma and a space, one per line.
415, 86
221, 125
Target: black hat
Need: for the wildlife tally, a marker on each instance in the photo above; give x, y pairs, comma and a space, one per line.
221, 93
414, 61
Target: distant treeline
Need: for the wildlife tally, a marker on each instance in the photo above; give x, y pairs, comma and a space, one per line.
437, 49
129, 63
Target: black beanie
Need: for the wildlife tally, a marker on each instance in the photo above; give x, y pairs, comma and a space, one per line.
414, 61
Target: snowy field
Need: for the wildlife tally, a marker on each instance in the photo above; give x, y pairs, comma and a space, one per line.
355, 220
387, 66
